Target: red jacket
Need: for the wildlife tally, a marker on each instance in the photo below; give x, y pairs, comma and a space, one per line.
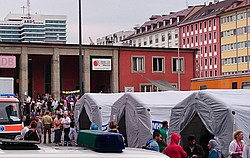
174, 150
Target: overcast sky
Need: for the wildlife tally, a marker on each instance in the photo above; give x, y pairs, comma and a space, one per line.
100, 17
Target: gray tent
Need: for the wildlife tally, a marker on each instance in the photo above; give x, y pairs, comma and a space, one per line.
135, 113
94, 108
212, 110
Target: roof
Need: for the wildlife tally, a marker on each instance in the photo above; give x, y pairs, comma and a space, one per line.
240, 4
211, 10
154, 19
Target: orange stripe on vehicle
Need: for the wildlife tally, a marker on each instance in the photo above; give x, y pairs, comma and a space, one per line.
13, 128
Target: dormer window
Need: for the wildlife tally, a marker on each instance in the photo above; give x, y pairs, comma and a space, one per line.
234, 4
171, 21
164, 23
178, 19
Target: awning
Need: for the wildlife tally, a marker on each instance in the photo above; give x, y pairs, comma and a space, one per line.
162, 84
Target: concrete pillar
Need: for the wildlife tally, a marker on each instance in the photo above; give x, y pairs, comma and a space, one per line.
114, 81
55, 74
23, 73
86, 71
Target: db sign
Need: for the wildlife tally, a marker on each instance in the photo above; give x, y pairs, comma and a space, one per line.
7, 61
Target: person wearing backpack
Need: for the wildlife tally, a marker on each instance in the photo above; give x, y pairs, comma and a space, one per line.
32, 133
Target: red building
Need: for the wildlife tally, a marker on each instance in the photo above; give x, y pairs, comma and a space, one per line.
202, 31
137, 65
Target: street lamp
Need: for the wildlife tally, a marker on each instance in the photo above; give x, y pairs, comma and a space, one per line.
80, 50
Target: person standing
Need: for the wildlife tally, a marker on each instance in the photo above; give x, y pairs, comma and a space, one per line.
246, 150
57, 129
47, 122
213, 149
193, 150
66, 128
27, 104
156, 138
163, 131
32, 133
174, 150
237, 145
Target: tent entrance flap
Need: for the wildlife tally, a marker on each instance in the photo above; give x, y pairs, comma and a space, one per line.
122, 127
162, 85
198, 129
84, 121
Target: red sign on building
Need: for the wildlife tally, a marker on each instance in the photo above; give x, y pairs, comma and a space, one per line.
7, 61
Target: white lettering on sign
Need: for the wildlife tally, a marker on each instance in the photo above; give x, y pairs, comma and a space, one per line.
7, 61
29, 21
101, 64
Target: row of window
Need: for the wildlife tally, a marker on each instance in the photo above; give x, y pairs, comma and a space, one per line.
55, 21
210, 73
233, 18
158, 64
234, 72
234, 60
233, 32
210, 60
9, 28
208, 49
9, 32
9, 36
60, 26
233, 46
157, 39
196, 38
193, 27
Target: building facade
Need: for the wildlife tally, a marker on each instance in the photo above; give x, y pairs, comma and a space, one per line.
117, 39
141, 68
202, 31
235, 36
161, 30
52, 68
33, 28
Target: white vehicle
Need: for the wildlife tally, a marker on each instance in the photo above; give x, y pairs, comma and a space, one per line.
78, 152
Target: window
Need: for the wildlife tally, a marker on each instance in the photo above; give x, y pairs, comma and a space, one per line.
183, 30
215, 35
139, 42
192, 28
205, 73
162, 37
234, 85
210, 49
200, 25
183, 41
196, 27
205, 38
215, 48
192, 40
187, 29
201, 38
214, 22
205, 25
177, 65
149, 88
150, 40
156, 38
205, 62
209, 23
196, 39
169, 35
158, 64
210, 61
210, 73
187, 40
210, 36
215, 73
205, 49
145, 41
138, 64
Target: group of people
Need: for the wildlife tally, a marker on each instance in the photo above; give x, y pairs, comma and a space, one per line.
237, 148
45, 114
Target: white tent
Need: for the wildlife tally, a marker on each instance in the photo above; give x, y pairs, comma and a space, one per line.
94, 108
135, 113
215, 109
